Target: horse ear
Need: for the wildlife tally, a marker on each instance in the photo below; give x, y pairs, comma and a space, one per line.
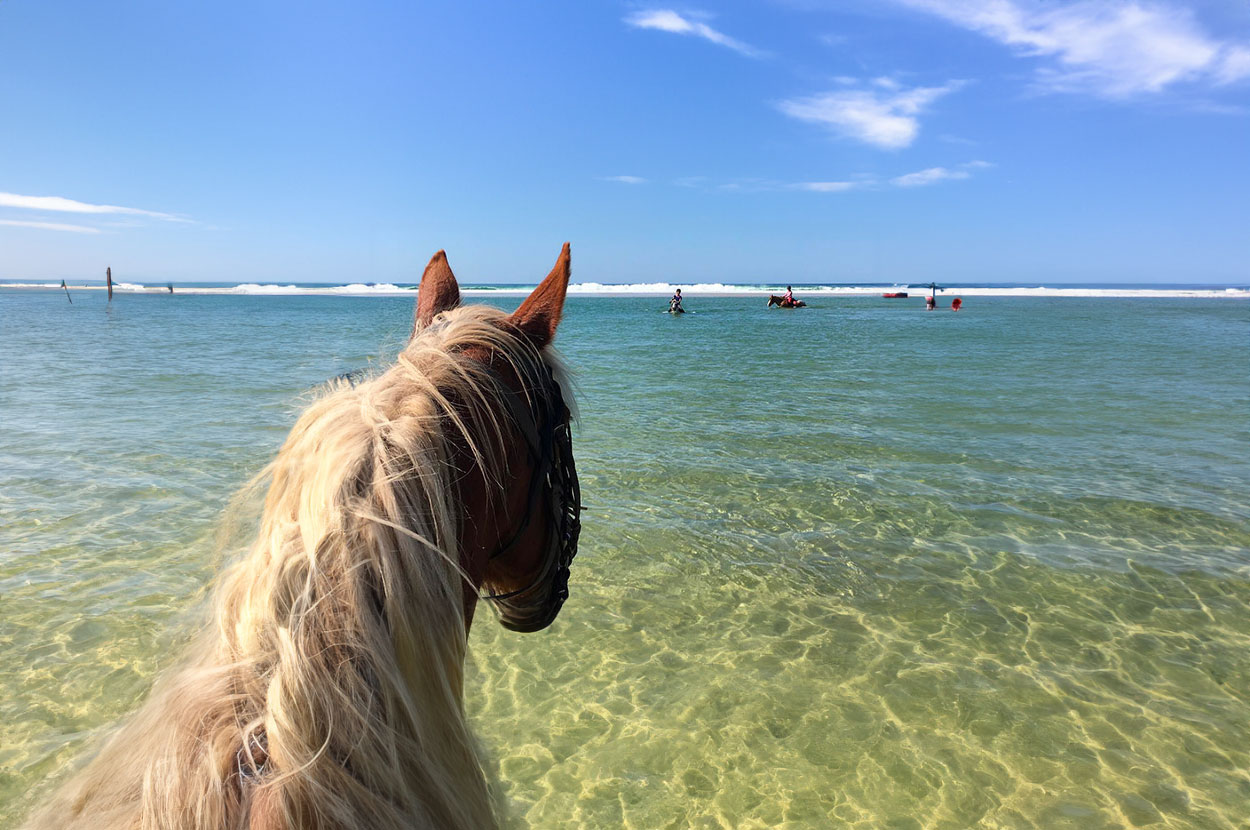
438, 291
539, 315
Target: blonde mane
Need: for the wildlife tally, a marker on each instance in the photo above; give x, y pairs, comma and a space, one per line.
329, 688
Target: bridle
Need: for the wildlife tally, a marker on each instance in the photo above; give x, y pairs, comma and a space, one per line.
543, 419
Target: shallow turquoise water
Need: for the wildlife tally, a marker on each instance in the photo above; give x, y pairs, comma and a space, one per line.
854, 565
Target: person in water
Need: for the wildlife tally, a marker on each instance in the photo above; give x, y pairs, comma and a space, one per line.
788, 297
674, 304
930, 302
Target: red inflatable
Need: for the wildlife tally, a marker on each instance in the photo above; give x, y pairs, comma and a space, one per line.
956, 303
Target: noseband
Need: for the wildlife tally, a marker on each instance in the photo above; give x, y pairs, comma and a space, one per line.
550, 445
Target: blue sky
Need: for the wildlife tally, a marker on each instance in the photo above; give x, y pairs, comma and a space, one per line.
804, 141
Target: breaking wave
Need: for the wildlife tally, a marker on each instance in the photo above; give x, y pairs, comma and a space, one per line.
643, 289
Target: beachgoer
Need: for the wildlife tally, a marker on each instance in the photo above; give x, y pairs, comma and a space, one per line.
930, 303
788, 298
674, 304
956, 303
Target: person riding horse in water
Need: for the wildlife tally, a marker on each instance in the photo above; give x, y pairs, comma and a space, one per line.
674, 303
785, 300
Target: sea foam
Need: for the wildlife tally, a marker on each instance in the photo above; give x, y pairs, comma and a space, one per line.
649, 289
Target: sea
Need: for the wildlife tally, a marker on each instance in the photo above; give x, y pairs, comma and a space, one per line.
855, 565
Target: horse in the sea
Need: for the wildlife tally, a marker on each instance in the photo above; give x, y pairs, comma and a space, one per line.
327, 693
778, 300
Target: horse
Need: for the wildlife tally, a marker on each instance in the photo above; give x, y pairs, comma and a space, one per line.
328, 691
780, 301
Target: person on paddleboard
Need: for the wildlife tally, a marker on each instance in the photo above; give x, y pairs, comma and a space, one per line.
674, 303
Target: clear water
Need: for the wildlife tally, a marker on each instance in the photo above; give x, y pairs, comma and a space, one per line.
856, 565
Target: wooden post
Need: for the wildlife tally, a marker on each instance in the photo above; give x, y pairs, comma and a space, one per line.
108, 278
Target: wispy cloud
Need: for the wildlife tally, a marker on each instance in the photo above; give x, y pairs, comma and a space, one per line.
827, 187
933, 175
763, 185
1108, 48
62, 205
48, 226
883, 114
667, 20
1234, 65
856, 181
625, 179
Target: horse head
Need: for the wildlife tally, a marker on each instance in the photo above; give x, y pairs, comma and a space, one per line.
520, 522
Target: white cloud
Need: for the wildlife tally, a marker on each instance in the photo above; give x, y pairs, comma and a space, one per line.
763, 185
885, 115
48, 226
62, 205
1109, 48
933, 175
827, 187
858, 181
1234, 65
667, 20
625, 179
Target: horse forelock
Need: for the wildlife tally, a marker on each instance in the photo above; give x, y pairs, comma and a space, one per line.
339, 641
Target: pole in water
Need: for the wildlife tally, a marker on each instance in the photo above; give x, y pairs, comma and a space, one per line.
67, 296
108, 278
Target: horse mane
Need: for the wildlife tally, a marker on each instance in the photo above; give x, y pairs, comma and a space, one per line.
328, 691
